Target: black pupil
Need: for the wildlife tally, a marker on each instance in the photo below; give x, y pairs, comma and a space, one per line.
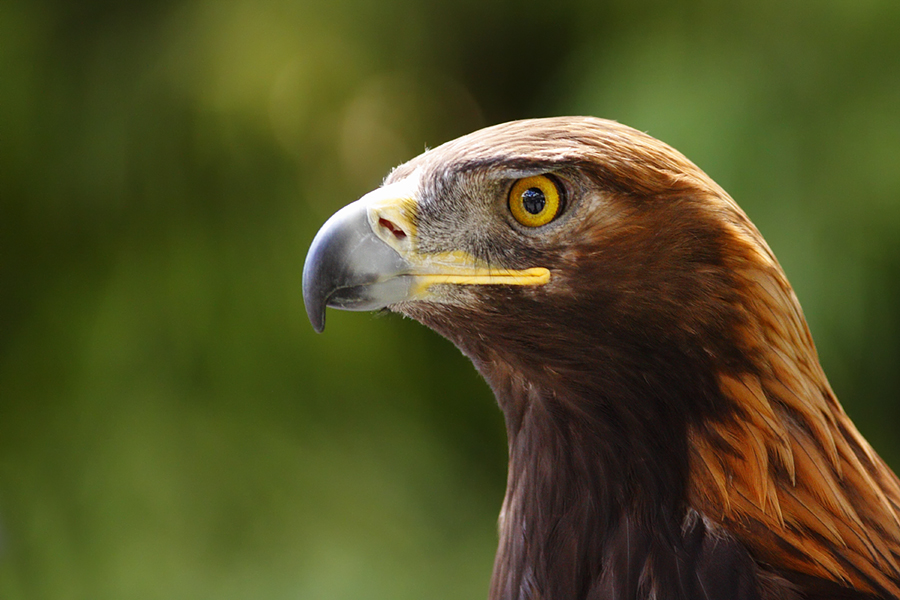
533, 201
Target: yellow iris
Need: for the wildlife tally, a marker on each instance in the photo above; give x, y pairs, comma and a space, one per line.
534, 201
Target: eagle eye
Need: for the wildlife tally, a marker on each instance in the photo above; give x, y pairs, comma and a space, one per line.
535, 201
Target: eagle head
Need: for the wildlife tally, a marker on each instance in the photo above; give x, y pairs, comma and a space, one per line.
542, 243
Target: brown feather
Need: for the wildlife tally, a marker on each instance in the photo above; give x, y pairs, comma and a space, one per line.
834, 506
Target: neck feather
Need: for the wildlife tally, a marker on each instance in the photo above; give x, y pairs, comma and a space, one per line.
587, 487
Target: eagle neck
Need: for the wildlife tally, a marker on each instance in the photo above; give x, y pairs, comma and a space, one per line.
588, 484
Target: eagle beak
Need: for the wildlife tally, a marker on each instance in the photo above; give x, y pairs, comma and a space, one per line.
365, 257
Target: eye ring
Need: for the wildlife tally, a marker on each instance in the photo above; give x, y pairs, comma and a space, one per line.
535, 201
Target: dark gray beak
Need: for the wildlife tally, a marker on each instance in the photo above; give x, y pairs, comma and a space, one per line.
350, 267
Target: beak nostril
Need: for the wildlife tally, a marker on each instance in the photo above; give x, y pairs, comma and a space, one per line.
392, 227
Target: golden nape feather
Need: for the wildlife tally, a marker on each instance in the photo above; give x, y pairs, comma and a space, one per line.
671, 432
789, 473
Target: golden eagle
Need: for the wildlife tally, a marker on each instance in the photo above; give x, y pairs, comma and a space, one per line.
671, 432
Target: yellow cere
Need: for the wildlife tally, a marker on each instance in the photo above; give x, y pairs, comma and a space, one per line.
534, 201
533, 276
460, 268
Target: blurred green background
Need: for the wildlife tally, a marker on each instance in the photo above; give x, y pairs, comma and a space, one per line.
170, 425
